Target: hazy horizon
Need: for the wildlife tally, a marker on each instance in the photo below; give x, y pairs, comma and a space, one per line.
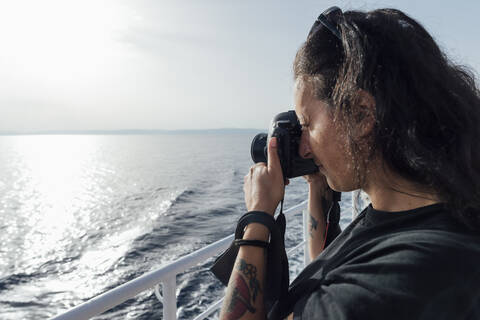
133, 131
115, 64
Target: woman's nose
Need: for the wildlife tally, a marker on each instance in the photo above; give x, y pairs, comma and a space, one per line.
304, 148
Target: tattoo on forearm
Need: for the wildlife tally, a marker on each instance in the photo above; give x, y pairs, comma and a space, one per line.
313, 225
250, 272
243, 295
239, 301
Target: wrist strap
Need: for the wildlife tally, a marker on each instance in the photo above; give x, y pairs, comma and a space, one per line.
254, 243
251, 217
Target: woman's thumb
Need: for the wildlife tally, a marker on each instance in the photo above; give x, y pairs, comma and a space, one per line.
273, 159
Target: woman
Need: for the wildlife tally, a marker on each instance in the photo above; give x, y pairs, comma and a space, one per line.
382, 110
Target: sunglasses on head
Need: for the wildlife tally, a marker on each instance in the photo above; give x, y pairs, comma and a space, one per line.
328, 20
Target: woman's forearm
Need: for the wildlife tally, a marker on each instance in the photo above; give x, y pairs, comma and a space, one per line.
244, 297
316, 222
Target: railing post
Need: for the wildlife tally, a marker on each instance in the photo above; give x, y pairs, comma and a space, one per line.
169, 288
306, 254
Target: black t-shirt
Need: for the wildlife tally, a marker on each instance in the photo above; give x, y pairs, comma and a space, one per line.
416, 264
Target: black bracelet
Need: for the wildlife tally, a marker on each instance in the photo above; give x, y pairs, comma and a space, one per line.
255, 243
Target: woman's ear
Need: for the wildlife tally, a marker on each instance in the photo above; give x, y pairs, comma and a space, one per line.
364, 113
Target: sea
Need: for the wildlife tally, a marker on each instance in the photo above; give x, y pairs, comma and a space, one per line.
82, 214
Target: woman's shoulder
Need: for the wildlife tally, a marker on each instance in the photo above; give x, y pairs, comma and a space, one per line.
406, 263
429, 222
429, 233
408, 271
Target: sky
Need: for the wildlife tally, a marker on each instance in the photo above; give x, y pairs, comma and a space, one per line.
139, 64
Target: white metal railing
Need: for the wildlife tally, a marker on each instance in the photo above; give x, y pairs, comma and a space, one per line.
166, 276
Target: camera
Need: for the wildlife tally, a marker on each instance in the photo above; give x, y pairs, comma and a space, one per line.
286, 128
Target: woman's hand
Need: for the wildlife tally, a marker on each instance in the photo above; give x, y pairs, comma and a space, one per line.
317, 183
263, 185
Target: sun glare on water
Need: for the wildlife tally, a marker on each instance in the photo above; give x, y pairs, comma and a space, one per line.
70, 212
54, 168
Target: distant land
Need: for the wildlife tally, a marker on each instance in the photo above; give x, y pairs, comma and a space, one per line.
133, 132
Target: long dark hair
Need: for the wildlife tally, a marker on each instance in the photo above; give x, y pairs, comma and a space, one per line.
427, 108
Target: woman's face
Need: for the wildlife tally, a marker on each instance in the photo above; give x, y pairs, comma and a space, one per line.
324, 140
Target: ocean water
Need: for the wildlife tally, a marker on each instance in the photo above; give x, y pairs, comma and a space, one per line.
81, 214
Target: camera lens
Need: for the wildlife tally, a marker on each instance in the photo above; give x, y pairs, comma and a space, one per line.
259, 148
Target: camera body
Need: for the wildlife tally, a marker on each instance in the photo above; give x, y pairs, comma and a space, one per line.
286, 128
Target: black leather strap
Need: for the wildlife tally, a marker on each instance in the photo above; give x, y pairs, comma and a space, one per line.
254, 243
254, 217
337, 196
